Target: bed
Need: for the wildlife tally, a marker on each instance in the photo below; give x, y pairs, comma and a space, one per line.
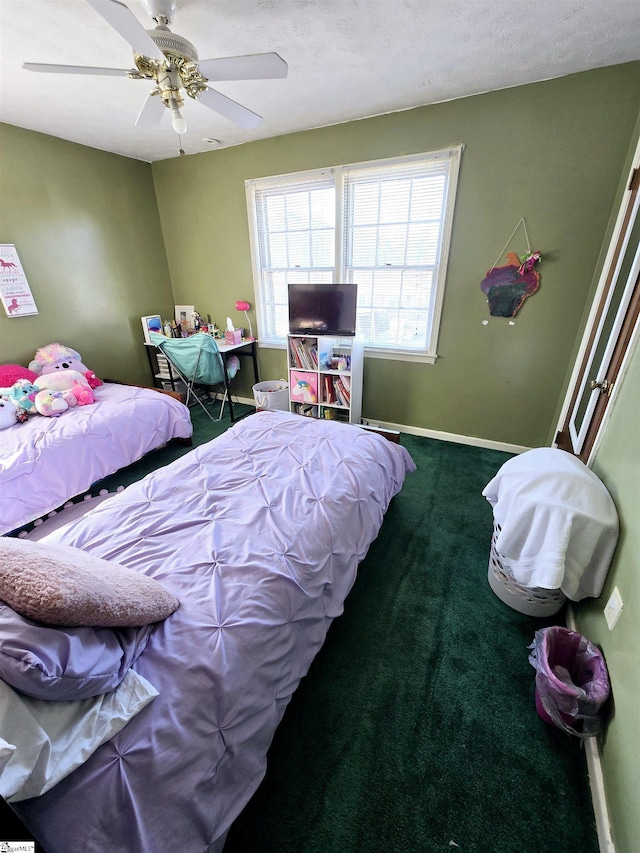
258, 534
49, 460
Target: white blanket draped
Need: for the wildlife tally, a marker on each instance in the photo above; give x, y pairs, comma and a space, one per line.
559, 525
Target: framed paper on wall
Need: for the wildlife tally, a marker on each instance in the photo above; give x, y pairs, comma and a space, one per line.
184, 317
152, 323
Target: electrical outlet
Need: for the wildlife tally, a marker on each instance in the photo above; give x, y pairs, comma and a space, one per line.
613, 608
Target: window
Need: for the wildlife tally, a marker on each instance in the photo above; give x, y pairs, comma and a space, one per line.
384, 225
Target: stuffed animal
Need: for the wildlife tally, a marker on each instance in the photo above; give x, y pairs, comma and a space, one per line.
74, 387
83, 394
51, 404
56, 358
92, 379
23, 394
61, 381
7, 413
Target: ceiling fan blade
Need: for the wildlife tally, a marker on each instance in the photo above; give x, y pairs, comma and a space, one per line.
256, 66
128, 26
229, 109
74, 69
151, 113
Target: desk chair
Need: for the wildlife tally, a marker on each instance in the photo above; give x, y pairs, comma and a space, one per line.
197, 361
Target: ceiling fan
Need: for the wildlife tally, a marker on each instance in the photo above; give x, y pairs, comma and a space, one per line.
172, 63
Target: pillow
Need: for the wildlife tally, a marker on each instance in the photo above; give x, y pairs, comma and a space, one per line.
65, 663
10, 373
69, 587
53, 738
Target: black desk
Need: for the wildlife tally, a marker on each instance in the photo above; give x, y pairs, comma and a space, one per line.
247, 349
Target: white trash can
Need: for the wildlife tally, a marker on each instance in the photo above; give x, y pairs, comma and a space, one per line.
273, 394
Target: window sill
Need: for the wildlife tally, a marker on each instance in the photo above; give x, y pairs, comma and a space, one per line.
372, 352
400, 355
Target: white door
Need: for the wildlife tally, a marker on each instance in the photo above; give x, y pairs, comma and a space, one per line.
610, 329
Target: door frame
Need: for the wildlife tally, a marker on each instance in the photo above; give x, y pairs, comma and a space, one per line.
624, 334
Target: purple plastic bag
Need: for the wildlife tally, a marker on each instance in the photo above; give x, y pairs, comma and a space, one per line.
572, 682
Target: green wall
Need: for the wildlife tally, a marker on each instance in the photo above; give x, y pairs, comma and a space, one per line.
617, 464
550, 152
86, 227
100, 250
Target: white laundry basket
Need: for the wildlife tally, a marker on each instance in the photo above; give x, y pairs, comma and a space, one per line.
273, 394
530, 600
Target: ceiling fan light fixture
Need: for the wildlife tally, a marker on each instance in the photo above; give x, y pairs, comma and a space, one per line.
161, 9
172, 62
177, 120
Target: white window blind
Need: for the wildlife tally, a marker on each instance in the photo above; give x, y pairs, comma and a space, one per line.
385, 226
295, 235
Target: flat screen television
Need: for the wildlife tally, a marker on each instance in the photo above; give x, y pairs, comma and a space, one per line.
323, 309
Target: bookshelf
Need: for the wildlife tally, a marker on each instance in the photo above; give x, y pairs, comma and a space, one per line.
325, 377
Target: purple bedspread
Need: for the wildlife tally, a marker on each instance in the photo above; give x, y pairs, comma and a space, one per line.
259, 534
47, 461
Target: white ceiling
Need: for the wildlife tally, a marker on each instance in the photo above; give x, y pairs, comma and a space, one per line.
348, 59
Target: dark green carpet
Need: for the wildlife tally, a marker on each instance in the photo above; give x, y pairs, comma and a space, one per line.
415, 729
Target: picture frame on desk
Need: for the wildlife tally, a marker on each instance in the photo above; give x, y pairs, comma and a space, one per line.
152, 323
184, 317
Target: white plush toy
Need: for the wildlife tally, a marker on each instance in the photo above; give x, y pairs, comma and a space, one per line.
11, 414
7, 413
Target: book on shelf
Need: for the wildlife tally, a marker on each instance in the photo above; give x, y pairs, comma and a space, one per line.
329, 395
342, 390
304, 353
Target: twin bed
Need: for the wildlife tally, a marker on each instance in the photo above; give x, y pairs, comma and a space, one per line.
47, 461
258, 534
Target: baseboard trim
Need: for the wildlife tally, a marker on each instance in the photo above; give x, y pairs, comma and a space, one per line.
488, 444
596, 779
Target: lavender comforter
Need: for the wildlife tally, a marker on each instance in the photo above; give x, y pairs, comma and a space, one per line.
259, 534
47, 461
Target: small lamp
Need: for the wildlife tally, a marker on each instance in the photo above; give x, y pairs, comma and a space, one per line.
241, 305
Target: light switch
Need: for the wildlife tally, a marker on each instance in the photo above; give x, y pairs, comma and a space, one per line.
613, 608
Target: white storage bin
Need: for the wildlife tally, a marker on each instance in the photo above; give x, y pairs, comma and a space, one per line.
273, 394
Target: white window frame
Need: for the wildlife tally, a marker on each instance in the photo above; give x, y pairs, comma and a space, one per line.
339, 274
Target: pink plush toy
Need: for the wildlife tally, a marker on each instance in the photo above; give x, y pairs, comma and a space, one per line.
57, 357
82, 393
92, 379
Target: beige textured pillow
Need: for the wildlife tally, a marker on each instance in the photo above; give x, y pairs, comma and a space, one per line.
68, 587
